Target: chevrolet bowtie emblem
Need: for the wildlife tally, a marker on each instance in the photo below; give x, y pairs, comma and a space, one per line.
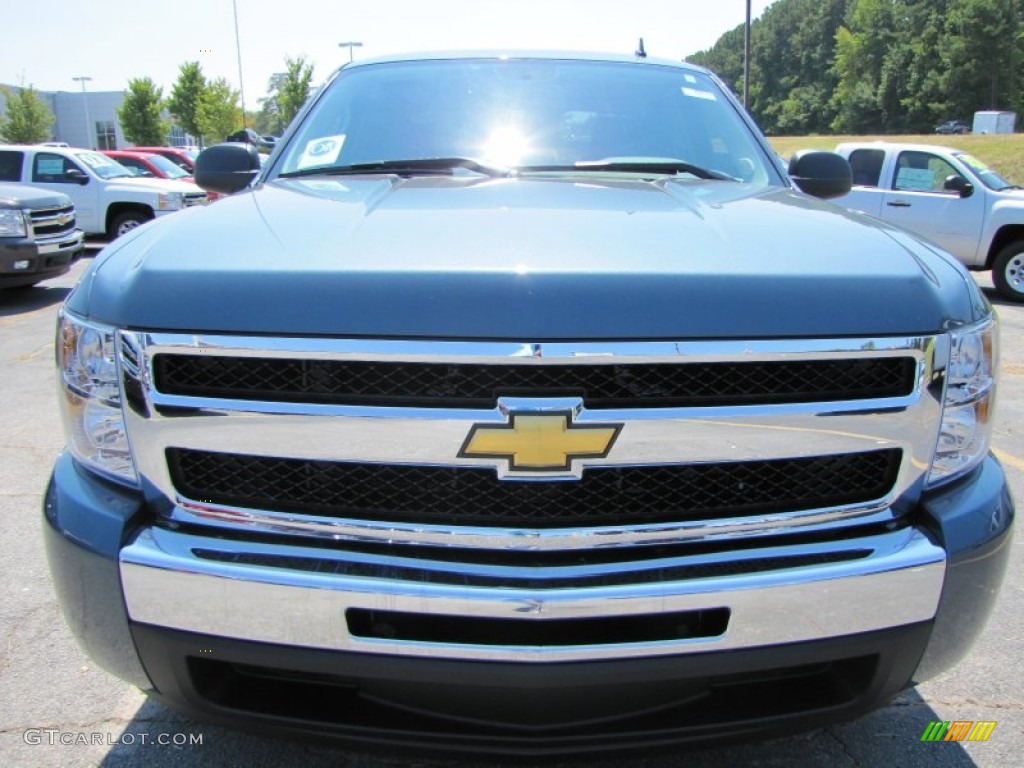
535, 442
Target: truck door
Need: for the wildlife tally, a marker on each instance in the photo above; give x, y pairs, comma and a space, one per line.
50, 171
11, 162
866, 195
918, 201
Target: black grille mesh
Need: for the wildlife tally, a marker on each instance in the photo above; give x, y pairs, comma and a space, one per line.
473, 385
475, 496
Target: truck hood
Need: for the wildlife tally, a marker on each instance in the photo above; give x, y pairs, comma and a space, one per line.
527, 258
24, 196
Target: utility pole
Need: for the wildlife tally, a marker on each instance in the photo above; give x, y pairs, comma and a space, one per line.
746, 58
83, 79
238, 50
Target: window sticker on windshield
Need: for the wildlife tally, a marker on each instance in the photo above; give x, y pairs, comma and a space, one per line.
915, 179
693, 93
322, 151
94, 160
50, 166
690, 79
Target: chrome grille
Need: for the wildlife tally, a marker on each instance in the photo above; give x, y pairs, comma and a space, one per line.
50, 223
359, 440
195, 199
285, 518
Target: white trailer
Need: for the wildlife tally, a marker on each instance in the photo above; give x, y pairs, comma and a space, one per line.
994, 121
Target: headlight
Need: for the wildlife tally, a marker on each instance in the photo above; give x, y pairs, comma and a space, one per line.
170, 201
12, 224
90, 397
966, 430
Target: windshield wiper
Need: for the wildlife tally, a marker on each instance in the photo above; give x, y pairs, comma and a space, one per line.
655, 165
405, 167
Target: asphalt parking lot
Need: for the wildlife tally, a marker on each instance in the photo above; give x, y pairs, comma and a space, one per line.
58, 709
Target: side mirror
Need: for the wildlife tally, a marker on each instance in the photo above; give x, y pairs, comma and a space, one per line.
960, 185
76, 176
821, 174
227, 168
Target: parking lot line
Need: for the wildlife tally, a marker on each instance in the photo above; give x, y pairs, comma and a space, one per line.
1009, 459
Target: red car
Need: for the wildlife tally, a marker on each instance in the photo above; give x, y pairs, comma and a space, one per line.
183, 157
149, 164
152, 165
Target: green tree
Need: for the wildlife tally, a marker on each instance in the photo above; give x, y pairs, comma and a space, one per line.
724, 58
269, 119
183, 102
876, 66
140, 111
981, 49
295, 86
218, 114
27, 120
791, 79
925, 101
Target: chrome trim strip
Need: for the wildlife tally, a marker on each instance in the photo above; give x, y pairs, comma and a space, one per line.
535, 539
167, 584
534, 353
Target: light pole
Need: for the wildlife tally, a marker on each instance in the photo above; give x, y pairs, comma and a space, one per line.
238, 50
350, 45
83, 79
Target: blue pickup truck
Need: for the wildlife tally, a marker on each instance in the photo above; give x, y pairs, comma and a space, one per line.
525, 404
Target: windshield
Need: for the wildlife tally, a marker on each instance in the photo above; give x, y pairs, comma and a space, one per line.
986, 175
168, 168
103, 166
528, 114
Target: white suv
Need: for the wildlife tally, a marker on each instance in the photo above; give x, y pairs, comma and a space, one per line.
108, 198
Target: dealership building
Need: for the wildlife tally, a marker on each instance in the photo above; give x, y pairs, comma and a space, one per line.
89, 119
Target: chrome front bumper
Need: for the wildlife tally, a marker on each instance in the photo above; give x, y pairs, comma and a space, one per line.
299, 596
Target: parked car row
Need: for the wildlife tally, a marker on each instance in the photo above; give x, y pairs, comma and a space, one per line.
109, 198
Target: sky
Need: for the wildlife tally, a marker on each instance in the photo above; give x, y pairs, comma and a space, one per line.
112, 41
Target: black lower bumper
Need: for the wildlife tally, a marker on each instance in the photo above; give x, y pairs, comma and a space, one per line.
393, 703
25, 263
480, 707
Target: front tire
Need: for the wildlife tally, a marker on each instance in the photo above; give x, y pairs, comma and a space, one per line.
1008, 272
125, 222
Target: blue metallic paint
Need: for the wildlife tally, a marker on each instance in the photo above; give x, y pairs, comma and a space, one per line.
85, 522
571, 258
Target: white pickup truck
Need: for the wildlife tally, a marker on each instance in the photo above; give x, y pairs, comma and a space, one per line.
108, 198
948, 196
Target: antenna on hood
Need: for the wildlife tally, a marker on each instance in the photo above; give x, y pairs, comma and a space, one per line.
640, 53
